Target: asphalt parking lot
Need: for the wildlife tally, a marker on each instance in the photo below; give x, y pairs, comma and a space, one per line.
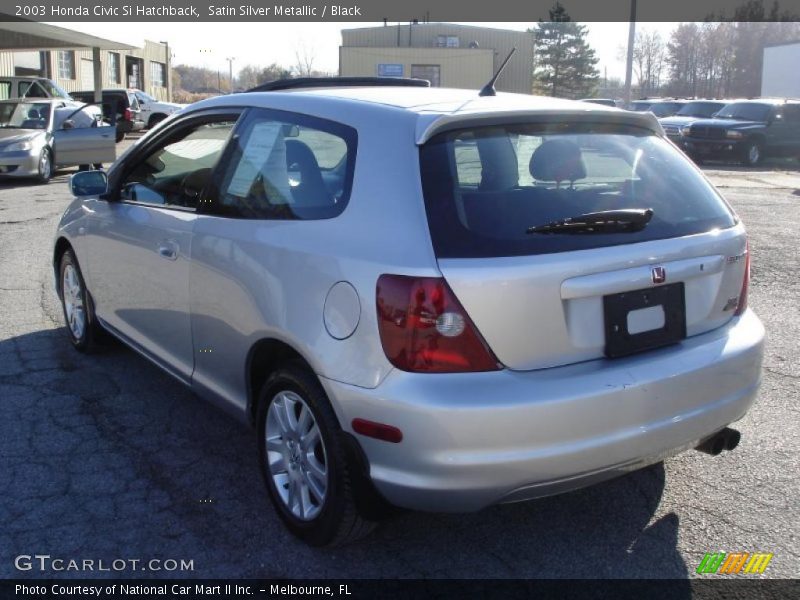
106, 457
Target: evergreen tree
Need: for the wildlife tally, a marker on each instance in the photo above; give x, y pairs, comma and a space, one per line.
564, 61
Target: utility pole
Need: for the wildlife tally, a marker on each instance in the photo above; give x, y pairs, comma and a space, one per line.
230, 70
629, 63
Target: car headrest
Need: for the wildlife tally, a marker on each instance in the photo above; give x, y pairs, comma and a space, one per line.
499, 165
557, 160
33, 113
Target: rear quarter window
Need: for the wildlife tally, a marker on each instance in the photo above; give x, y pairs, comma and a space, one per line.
282, 165
484, 187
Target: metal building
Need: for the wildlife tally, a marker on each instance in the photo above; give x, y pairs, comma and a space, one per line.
69, 58
448, 55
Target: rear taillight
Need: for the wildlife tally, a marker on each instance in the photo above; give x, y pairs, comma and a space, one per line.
128, 114
742, 306
425, 329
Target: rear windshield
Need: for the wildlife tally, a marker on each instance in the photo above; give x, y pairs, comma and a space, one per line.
700, 109
484, 187
661, 109
745, 111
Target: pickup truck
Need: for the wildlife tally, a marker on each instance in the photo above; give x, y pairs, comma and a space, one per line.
747, 130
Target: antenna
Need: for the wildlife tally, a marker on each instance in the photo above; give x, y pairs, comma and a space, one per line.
488, 89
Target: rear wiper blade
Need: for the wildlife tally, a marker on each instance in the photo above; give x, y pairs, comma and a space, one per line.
605, 221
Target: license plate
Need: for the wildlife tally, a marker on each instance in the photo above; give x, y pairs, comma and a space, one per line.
644, 319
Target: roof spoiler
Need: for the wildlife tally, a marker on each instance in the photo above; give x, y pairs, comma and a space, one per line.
318, 82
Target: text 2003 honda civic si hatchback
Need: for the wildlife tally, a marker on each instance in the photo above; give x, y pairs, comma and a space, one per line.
424, 296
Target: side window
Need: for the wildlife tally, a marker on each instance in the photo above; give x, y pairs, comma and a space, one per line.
468, 161
791, 113
177, 172
35, 91
286, 166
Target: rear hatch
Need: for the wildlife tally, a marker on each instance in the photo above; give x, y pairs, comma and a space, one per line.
520, 223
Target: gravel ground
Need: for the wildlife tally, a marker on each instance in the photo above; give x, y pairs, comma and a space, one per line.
106, 457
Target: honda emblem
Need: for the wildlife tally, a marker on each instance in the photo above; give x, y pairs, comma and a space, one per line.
659, 274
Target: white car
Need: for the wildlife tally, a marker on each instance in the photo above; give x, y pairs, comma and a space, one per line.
154, 111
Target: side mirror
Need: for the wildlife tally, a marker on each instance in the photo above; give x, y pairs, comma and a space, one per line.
68, 124
88, 183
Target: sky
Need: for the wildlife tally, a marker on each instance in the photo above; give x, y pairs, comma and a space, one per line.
260, 44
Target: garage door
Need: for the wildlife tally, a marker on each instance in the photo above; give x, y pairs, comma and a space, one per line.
87, 74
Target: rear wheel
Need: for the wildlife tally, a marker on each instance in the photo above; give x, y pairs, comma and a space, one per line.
304, 462
752, 154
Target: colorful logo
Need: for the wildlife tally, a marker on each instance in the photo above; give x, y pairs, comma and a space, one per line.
734, 563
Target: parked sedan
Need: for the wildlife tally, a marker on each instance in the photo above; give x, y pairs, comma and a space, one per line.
38, 136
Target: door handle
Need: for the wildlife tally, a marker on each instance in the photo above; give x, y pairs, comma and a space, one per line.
168, 249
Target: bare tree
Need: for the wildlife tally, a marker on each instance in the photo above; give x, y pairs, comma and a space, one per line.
304, 60
648, 61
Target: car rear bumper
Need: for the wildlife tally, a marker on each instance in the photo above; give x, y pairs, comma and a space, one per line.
472, 440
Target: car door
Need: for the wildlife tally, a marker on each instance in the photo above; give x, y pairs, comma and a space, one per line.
140, 240
791, 124
145, 110
250, 273
78, 139
775, 132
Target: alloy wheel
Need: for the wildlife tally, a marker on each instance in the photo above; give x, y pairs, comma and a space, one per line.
73, 302
296, 456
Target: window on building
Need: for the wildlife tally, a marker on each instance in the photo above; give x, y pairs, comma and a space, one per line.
447, 41
430, 72
114, 72
158, 76
66, 64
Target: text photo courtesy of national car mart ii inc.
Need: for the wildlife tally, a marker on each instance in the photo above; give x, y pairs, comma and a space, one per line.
322, 11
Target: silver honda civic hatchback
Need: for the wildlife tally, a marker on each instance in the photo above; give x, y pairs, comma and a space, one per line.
422, 297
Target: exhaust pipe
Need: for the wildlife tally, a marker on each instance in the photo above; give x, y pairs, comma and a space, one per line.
727, 439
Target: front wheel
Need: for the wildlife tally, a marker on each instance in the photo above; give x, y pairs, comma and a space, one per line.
303, 460
752, 154
45, 167
82, 326
120, 136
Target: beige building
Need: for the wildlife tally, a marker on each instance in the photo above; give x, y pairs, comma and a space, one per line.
72, 68
459, 56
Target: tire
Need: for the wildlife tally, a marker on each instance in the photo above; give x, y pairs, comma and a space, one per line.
752, 154
308, 477
82, 327
120, 136
45, 166
155, 120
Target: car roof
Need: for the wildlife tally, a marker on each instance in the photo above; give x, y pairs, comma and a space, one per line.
436, 109
770, 101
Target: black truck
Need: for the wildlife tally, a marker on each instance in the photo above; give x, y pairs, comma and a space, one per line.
747, 131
